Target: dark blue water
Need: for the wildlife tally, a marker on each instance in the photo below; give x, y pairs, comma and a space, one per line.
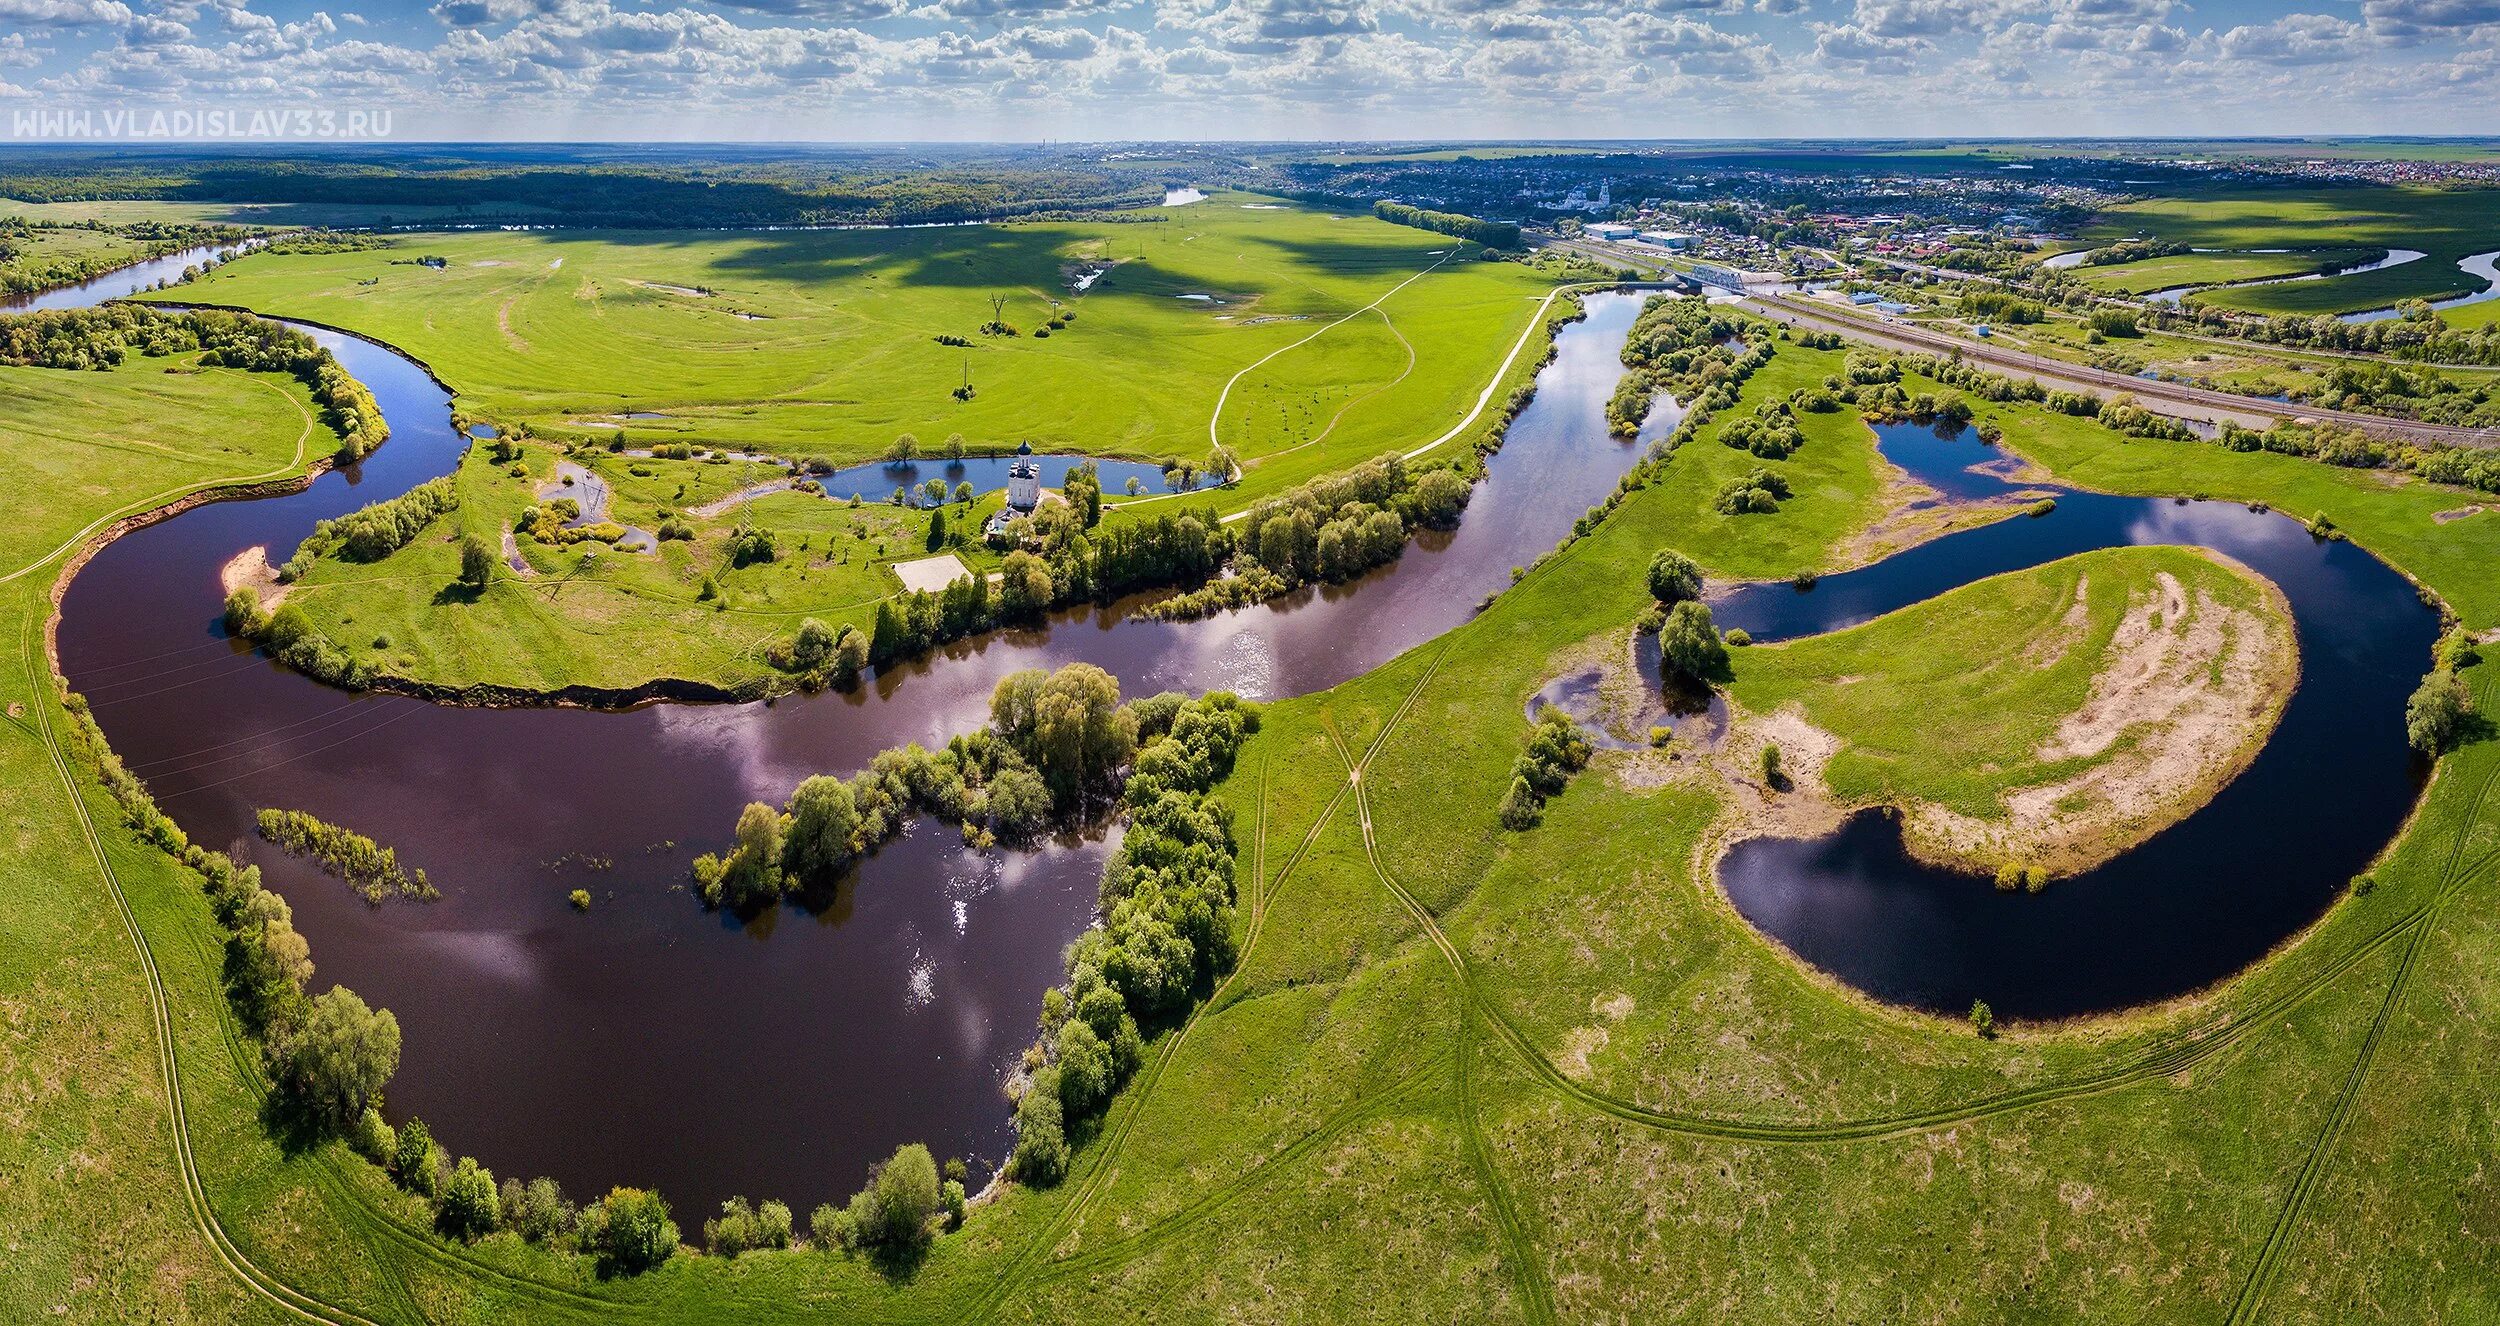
876, 481
2195, 904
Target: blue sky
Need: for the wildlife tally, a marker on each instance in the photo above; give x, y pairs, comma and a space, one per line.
1013, 70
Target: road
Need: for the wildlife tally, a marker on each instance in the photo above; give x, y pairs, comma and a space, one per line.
2172, 398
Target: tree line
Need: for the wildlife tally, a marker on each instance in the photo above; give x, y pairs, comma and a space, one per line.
1491, 234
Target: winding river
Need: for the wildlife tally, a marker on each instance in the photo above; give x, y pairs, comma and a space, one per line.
2199, 901
648, 1041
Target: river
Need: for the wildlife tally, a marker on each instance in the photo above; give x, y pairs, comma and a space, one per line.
2202, 899
646, 1040
643, 1040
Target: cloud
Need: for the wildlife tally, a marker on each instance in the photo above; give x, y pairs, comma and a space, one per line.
2414, 19
1851, 46
2294, 39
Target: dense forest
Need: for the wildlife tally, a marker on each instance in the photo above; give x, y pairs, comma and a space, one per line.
619, 188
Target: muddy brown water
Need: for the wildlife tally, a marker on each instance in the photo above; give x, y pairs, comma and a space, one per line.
648, 1041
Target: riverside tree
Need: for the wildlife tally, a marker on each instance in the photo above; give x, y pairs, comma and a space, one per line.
1689, 644
1673, 578
337, 1061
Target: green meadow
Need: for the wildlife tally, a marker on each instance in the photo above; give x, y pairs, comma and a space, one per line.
1303, 340
2151, 274
2446, 224
1458, 1072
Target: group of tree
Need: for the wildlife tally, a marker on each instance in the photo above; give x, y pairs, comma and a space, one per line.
1166, 909
1556, 749
2440, 712
102, 337
2000, 306
907, 1202
373, 532
369, 868
1332, 528
1757, 492
1770, 433
1055, 749
1491, 234
1687, 347
290, 637
628, 1231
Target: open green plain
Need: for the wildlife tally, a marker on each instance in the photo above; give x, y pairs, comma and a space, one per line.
2143, 278
1324, 338
2446, 224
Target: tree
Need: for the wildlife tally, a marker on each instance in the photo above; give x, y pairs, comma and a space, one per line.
2436, 713
824, 820
471, 1208
1083, 489
812, 645
417, 1164
1069, 725
1085, 1078
937, 526
903, 449
1689, 645
1025, 588
630, 1230
1223, 464
1673, 578
477, 562
900, 1198
963, 493
1019, 803
536, 1210
850, 654
953, 448
1983, 1019
337, 1061
1041, 1154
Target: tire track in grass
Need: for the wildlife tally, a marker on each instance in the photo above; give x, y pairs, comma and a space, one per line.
1214, 1200
1536, 1294
1133, 1099
2282, 1234
2164, 1060
268, 1288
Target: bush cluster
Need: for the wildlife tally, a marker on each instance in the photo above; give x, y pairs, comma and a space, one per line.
1680, 344
368, 867
374, 532
1758, 492
1556, 750
1330, 529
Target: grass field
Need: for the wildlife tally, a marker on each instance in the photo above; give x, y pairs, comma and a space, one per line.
52, 257
2446, 224
1324, 338
1963, 711
2143, 278
1461, 1073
